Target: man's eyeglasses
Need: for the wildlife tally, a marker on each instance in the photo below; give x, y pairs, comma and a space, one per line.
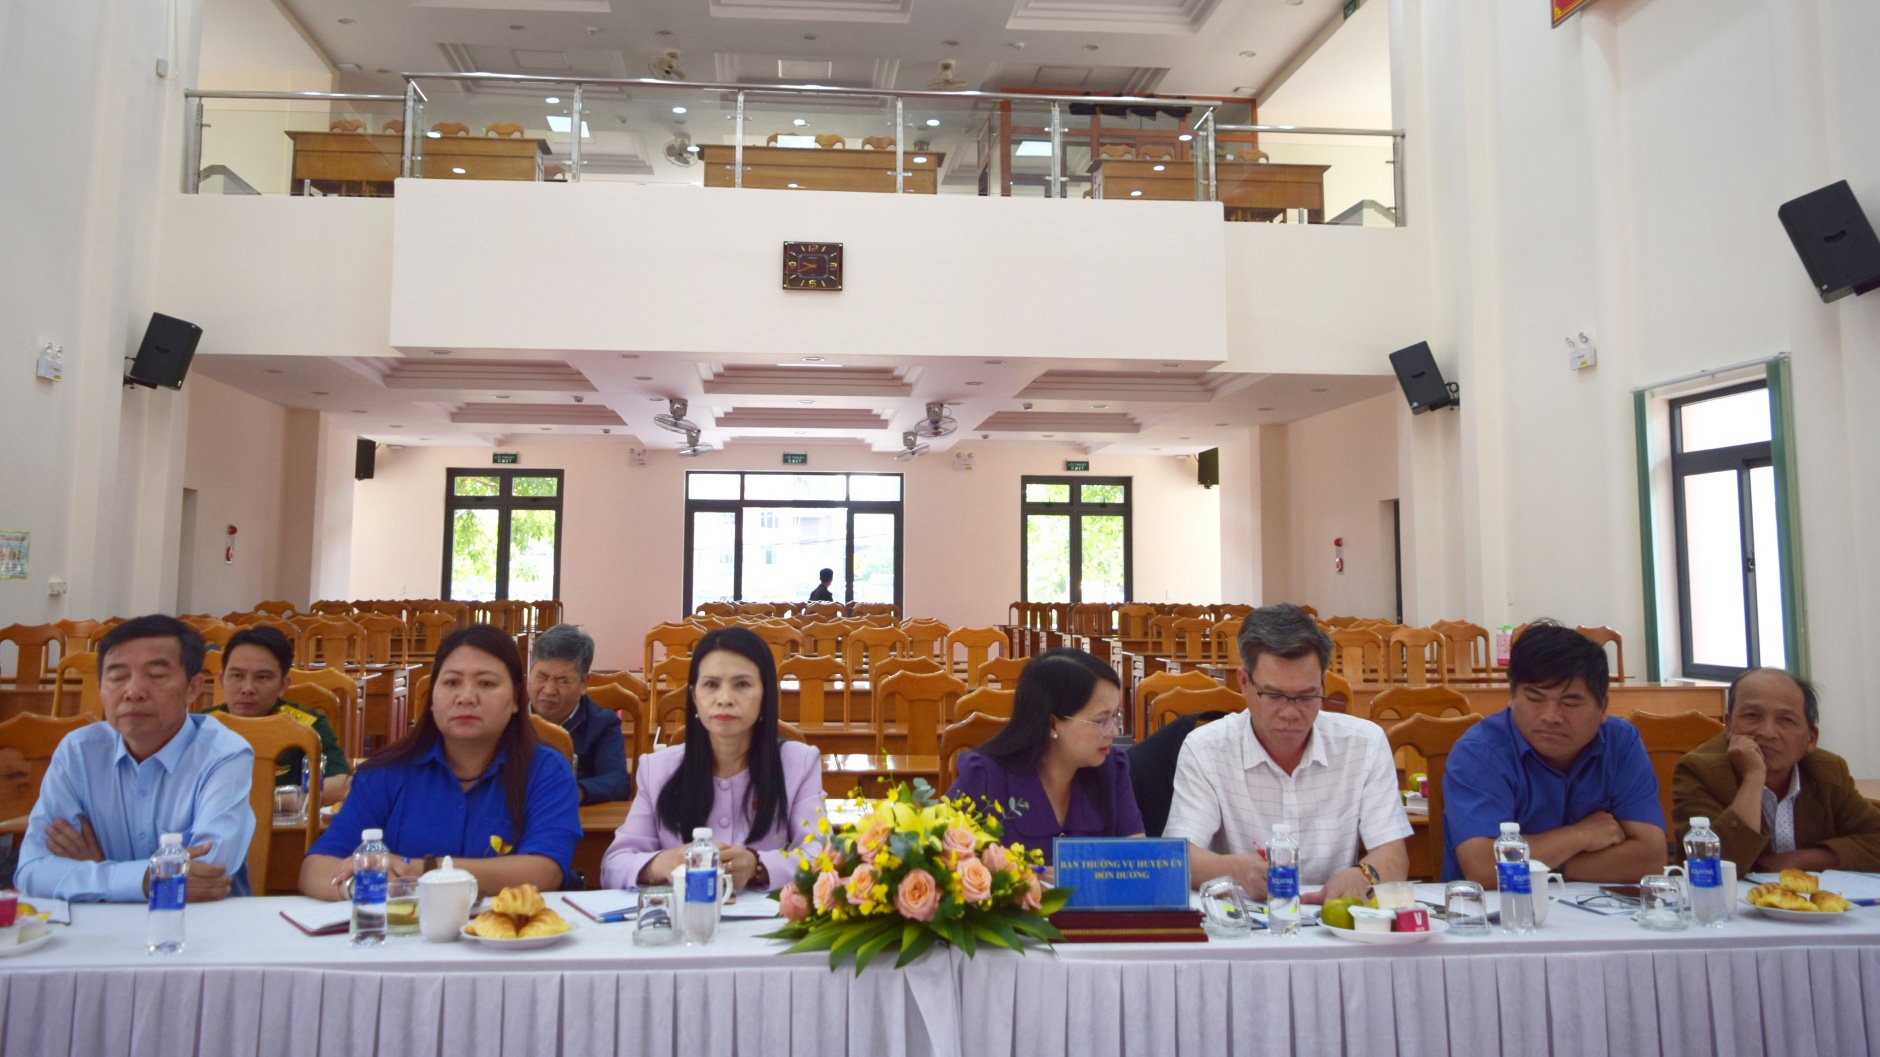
1273, 699
1111, 724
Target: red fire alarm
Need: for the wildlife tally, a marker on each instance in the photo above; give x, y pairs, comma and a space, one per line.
1338, 554
228, 553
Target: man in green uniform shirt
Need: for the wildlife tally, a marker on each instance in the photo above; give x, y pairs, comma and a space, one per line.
254, 673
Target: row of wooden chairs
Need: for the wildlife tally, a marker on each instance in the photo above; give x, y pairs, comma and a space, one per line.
1128, 620
1379, 652
860, 645
813, 610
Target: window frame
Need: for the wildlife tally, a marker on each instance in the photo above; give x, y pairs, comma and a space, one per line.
844, 582
504, 503
1076, 508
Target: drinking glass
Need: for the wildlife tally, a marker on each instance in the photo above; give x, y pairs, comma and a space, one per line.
290, 804
401, 906
1224, 910
1394, 895
1466, 909
1661, 904
654, 926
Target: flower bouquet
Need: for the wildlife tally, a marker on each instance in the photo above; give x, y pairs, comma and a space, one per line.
915, 870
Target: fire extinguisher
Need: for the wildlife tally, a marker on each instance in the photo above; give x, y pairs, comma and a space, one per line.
228, 553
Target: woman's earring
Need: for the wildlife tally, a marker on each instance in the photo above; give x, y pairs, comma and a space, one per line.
1054, 735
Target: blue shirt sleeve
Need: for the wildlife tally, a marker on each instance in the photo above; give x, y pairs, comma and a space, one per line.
1478, 792
42, 873
1125, 816
367, 806
552, 822
224, 820
604, 757
1634, 783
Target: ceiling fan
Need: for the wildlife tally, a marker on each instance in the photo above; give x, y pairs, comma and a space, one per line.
937, 423
945, 80
909, 449
693, 447
681, 151
675, 419
666, 66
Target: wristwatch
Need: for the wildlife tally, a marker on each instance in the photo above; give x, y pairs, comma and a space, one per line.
1370, 872
430, 863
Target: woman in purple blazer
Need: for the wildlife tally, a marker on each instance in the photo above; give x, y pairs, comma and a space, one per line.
1053, 770
759, 797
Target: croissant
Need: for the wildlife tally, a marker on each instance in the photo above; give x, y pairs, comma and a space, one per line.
492, 925
520, 901
1787, 900
1831, 903
544, 922
1799, 881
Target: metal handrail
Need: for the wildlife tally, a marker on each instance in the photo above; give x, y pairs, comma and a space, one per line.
1398, 209
216, 93
819, 89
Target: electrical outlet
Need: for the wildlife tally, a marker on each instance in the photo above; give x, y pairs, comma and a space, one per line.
51, 362
55, 587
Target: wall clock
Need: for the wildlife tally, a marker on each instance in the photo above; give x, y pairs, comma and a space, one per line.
812, 266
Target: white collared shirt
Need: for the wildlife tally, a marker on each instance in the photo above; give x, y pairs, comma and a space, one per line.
1341, 800
1779, 813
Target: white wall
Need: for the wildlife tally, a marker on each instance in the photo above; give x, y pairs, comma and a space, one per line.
1310, 299
624, 532
254, 46
1340, 468
237, 462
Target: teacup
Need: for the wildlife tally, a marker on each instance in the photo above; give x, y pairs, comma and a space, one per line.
444, 899
1547, 888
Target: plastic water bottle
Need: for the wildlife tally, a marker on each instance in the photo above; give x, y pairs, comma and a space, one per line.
372, 863
1703, 868
1517, 885
1282, 881
169, 882
698, 914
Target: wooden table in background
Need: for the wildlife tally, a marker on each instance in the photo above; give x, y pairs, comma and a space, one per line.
367, 163
1249, 191
818, 169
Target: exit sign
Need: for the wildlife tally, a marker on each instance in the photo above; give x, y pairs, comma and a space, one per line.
1071, 465
504, 458
796, 458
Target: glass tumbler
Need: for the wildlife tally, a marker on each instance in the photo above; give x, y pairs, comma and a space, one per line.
1465, 907
1224, 910
1661, 903
654, 925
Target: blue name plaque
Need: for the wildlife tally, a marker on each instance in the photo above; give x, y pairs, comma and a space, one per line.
1123, 873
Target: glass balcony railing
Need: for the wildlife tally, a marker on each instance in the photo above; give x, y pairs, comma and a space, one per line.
791, 137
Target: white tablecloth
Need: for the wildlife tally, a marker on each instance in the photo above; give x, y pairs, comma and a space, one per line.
249, 983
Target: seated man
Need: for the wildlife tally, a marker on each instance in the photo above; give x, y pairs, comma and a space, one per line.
1329, 775
1577, 780
558, 672
1777, 801
114, 788
254, 673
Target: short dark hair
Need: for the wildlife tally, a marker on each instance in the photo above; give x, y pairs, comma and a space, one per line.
269, 639
1811, 701
1550, 654
826, 575
1283, 630
157, 626
564, 642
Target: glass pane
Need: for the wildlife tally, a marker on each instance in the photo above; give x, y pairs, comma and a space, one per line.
875, 558
1766, 534
832, 486
535, 486
477, 486
791, 143
532, 552
1102, 493
872, 487
714, 555
1297, 178
1713, 537
1047, 493
1048, 555
520, 131
473, 556
1101, 579
318, 147
711, 486
1740, 418
784, 547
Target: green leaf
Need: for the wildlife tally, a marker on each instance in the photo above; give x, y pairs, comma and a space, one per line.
875, 946
817, 940
913, 948
996, 937
1054, 900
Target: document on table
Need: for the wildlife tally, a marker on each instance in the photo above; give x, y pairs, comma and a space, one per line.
1846, 882
59, 911
607, 905
753, 905
320, 919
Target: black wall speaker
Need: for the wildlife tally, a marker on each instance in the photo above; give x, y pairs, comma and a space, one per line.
163, 358
1208, 467
1422, 383
1835, 241
365, 455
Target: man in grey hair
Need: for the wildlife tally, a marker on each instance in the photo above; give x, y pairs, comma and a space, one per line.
558, 672
1330, 776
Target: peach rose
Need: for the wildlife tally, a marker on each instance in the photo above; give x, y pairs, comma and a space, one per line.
1034, 893
826, 884
795, 906
918, 896
975, 881
995, 858
959, 840
873, 842
861, 883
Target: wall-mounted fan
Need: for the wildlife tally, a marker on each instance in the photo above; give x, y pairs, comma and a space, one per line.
910, 450
693, 447
946, 80
681, 151
937, 423
666, 66
675, 419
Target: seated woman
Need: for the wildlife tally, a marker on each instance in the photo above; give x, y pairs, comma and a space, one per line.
731, 775
469, 781
1052, 769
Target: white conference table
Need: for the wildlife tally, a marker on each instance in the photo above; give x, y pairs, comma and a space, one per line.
249, 983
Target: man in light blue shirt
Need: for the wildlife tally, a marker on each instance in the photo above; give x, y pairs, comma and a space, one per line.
114, 788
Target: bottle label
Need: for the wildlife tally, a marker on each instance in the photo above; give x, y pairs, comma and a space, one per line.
167, 893
1282, 882
1705, 873
369, 887
701, 886
1514, 878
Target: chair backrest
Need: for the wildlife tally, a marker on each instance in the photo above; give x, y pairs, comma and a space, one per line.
1160, 683
669, 719
1470, 651
865, 647
346, 124
668, 675
386, 637
1173, 704
1606, 636
872, 609
345, 689
315, 698
1667, 739
1190, 638
878, 143
1162, 634
1357, 654
331, 607
1002, 672
669, 640
1223, 643
1132, 620
37, 646
922, 665
1115, 150
782, 639
551, 734
1431, 739
505, 129
632, 712
813, 674
75, 635
1093, 618
335, 643
925, 636
276, 607
26, 744
789, 732
1413, 655
77, 677
545, 613
451, 128
270, 736
969, 732
1401, 702
1337, 693
985, 701
824, 637
968, 648
910, 709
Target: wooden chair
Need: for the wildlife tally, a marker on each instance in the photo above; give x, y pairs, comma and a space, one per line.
386, 637
552, 735
1160, 683
26, 745
782, 639
893, 665
217, 634
789, 732
627, 680
878, 143
909, 710
1606, 636
1223, 643
77, 677
1430, 739
545, 614
451, 128
1132, 621
1667, 739
427, 630
670, 673
1337, 693
1002, 672
328, 607
459, 611
977, 645
1358, 655
37, 648
814, 674
313, 698
211, 693
1189, 636
393, 127
1174, 704
1413, 655
631, 709
349, 724
504, 130
1156, 153
831, 141
1093, 618
1401, 702
270, 736
1470, 652
335, 643
75, 635
346, 124
868, 646
985, 701
98, 633
823, 638
279, 608
669, 719
717, 609
926, 636
873, 609
969, 732
1115, 150
668, 640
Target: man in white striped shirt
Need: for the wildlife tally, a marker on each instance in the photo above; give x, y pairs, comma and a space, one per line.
1330, 776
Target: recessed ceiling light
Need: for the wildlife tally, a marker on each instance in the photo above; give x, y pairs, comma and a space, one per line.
321, 392
502, 396
1221, 425
994, 363
975, 383
434, 134
813, 359
1318, 390
552, 99
356, 411
384, 69
1171, 365
802, 432
345, 21
424, 438
806, 401
809, 36
794, 187
799, 122
1099, 407
458, 169
1186, 136
1048, 436
440, 352
642, 377
933, 122
1182, 438
662, 33
1090, 47
951, 43
1015, 45
271, 370
349, 67
515, 25
657, 399
629, 355
1248, 54
920, 159
1159, 167
678, 110
397, 426
1263, 409
1155, 449
1136, 193
544, 429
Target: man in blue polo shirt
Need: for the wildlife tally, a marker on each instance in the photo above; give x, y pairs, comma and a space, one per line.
1577, 780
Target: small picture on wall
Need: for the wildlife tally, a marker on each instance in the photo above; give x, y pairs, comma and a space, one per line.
13, 554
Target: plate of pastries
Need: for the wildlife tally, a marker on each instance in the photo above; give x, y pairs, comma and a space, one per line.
518, 920
1797, 896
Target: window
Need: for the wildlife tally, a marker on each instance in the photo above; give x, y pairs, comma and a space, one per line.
762, 537
1075, 542
502, 535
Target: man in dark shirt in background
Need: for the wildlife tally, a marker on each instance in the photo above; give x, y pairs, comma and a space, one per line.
558, 672
821, 592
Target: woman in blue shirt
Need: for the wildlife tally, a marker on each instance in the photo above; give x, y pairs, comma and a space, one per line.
1053, 771
469, 781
